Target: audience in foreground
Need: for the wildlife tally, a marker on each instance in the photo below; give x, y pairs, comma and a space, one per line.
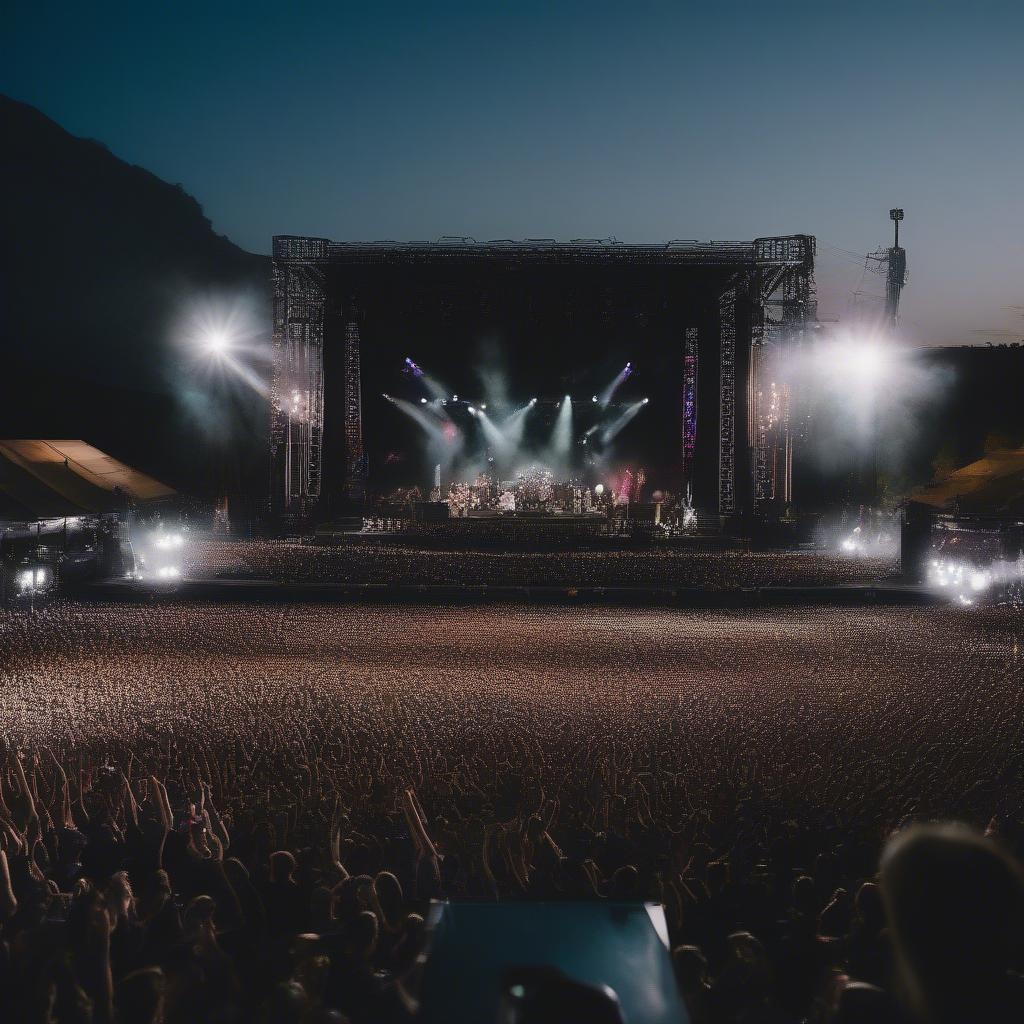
127, 898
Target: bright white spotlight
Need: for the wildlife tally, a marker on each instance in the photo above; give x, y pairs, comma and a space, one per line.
216, 342
472, 411
857, 361
865, 361
599, 489
593, 398
423, 401
646, 400
222, 334
483, 405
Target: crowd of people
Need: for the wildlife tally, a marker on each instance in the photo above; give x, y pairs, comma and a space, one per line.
649, 567
233, 813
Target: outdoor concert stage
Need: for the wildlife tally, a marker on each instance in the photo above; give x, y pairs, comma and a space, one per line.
696, 321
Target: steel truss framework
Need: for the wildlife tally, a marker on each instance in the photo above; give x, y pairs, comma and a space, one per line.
784, 309
765, 307
691, 349
297, 394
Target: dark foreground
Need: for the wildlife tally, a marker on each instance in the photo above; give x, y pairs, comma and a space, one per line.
741, 767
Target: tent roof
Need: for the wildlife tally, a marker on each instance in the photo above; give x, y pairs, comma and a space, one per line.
51, 479
994, 483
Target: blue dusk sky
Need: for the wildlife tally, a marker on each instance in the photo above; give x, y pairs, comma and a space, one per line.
643, 121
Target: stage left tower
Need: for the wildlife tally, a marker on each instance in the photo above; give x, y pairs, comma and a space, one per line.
297, 385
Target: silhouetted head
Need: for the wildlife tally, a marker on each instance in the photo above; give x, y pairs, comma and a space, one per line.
352, 896
955, 902
805, 897
288, 1004
746, 968
282, 866
624, 884
362, 934
691, 968
198, 917
861, 1003
140, 997
869, 909
718, 875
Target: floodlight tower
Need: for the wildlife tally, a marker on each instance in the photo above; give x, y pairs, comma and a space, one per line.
896, 275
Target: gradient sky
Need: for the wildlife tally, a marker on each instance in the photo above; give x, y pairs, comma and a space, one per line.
646, 121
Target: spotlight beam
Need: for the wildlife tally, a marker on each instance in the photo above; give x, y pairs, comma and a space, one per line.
495, 437
246, 374
435, 430
512, 427
605, 397
616, 427
561, 436
436, 390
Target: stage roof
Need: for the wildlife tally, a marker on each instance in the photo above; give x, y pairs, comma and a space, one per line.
993, 484
52, 479
782, 251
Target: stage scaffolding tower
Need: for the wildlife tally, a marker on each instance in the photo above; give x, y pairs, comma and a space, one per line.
784, 310
296, 392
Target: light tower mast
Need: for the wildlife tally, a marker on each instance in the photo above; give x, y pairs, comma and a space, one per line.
896, 275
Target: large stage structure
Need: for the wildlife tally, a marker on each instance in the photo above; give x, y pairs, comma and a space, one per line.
707, 317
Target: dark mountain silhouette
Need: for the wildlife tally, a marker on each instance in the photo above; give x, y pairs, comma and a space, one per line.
99, 260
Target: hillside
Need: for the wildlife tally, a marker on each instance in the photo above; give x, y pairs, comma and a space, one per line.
99, 258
